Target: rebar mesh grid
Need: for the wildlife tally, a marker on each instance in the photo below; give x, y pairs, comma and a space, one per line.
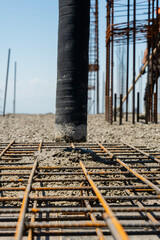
105, 190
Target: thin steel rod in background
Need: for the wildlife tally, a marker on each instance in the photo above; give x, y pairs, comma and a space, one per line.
121, 111
156, 95
107, 65
115, 107
97, 43
7, 74
134, 60
148, 75
152, 46
112, 62
15, 76
103, 94
127, 73
138, 103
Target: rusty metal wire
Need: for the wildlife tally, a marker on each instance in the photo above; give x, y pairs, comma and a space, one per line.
116, 195
130, 23
120, 29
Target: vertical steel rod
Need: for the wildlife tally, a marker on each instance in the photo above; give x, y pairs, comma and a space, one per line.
97, 43
152, 44
157, 54
134, 59
103, 94
137, 106
7, 74
107, 63
148, 46
120, 114
15, 76
127, 72
112, 59
155, 107
115, 107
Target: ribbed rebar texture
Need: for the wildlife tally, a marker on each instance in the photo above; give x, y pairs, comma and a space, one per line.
79, 191
72, 79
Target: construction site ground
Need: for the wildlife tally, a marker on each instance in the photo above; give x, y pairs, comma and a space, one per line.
65, 191
25, 127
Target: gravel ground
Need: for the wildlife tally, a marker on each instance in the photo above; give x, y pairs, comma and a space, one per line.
31, 128
36, 127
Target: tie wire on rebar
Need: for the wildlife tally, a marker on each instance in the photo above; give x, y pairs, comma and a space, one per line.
52, 210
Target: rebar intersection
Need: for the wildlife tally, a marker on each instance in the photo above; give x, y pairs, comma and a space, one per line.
81, 190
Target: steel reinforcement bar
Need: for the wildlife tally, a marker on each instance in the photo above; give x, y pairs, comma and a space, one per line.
78, 190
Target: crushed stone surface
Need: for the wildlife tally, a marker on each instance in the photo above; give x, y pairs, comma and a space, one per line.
29, 128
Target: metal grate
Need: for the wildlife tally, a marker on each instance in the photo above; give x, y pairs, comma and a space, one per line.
78, 190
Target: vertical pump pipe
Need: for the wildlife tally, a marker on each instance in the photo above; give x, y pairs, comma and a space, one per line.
72, 78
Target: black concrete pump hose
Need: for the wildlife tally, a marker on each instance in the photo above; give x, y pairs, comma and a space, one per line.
72, 79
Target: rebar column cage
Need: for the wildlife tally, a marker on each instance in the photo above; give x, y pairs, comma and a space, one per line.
132, 26
93, 75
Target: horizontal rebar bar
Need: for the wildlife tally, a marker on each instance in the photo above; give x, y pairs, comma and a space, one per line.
55, 201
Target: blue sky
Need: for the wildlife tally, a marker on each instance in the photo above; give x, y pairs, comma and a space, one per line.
30, 28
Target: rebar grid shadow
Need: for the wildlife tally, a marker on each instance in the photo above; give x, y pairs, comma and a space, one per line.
62, 201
